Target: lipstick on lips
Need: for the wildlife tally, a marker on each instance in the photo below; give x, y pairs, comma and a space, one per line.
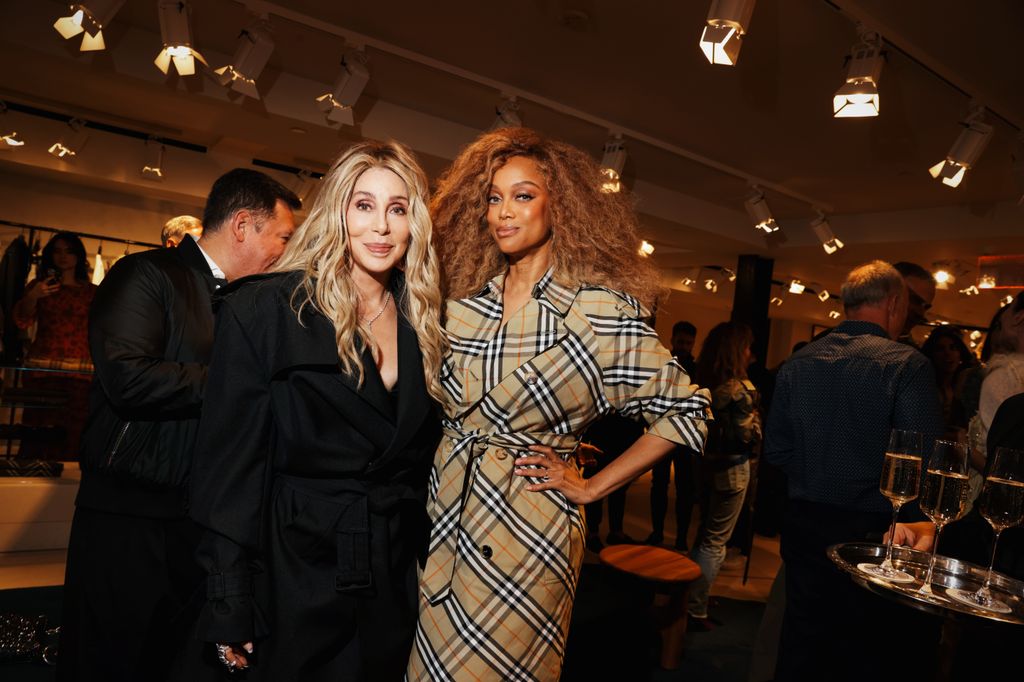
505, 231
379, 249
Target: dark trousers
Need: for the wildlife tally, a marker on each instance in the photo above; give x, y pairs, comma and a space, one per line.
834, 629
130, 597
616, 512
685, 463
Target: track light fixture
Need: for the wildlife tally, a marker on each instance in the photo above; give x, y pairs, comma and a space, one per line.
823, 295
970, 291
9, 140
776, 301
71, 142
507, 114
729, 274
711, 284
796, 287
612, 163
858, 96
1005, 301
757, 209
646, 248
834, 314
965, 151
823, 231
726, 25
254, 49
153, 169
176, 32
88, 18
337, 104
987, 282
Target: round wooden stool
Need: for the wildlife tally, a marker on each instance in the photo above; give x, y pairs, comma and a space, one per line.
672, 574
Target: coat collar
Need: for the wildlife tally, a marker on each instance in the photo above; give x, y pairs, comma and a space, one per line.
189, 252
558, 297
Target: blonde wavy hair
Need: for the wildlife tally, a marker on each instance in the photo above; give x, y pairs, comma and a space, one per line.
594, 235
320, 249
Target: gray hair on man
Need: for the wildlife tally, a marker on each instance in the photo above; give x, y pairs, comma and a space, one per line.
870, 284
175, 229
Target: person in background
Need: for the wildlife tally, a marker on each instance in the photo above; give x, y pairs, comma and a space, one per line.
58, 303
835, 403
610, 436
132, 575
684, 461
950, 356
732, 438
175, 230
921, 294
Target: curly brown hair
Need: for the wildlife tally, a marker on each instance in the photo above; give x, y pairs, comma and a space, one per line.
594, 235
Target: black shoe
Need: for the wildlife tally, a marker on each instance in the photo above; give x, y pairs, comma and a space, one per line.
619, 538
654, 539
594, 544
681, 547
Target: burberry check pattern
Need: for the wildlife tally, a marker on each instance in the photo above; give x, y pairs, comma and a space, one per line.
497, 590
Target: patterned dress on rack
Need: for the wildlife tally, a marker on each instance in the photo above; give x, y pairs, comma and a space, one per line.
497, 590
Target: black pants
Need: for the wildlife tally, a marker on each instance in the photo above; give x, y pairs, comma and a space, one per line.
685, 464
130, 597
834, 629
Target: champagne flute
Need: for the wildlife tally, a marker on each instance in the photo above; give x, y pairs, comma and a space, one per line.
944, 494
1002, 505
900, 482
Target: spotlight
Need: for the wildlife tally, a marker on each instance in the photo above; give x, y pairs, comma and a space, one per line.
858, 96
729, 274
823, 230
834, 314
757, 209
1005, 301
711, 284
71, 142
970, 291
646, 248
776, 301
177, 38
726, 25
975, 335
152, 169
796, 287
88, 18
9, 140
612, 162
507, 114
987, 282
337, 104
824, 295
943, 277
254, 49
965, 151
686, 281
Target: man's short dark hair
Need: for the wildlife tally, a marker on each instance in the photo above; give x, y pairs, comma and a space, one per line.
243, 188
684, 328
908, 269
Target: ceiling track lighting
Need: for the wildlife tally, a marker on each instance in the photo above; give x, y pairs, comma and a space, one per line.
858, 96
88, 19
711, 284
612, 162
255, 46
9, 140
757, 209
970, 291
337, 104
796, 287
727, 23
176, 33
965, 151
507, 114
646, 248
71, 142
823, 231
987, 282
823, 295
153, 168
834, 314
1005, 301
729, 274
776, 301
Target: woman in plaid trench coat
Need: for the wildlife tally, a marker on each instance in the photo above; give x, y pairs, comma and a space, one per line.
543, 341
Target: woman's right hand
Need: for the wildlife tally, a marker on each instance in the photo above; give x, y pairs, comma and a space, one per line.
919, 535
42, 289
234, 656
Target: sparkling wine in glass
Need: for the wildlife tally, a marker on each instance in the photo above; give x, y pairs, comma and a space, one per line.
900, 482
945, 493
1002, 505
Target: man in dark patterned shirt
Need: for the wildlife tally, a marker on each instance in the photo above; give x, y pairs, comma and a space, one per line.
835, 403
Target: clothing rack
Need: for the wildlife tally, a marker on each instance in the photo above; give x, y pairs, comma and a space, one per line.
103, 238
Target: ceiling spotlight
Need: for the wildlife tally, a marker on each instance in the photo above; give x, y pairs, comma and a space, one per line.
88, 18
823, 231
646, 248
152, 169
337, 104
987, 282
1005, 301
71, 142
858, 96
729, 274
776, 301
177, 38
254, 49
612, 163
9, 140
687, 281
711, 284
796, 287
943, 277
726, 25
834, 314
824, 295
965, 151
970, 291
507, 114
757, 209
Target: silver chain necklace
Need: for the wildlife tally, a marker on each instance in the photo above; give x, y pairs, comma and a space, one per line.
369, 323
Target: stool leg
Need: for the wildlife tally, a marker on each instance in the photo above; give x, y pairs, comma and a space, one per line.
671, 618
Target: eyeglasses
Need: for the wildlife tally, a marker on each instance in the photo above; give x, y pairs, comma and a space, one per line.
919, 302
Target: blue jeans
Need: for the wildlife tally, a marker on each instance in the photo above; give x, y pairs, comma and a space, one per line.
720, 509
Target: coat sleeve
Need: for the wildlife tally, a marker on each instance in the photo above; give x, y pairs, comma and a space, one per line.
230, 474
641, 378
128, 337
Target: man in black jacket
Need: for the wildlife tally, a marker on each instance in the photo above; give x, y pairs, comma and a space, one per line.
131, 575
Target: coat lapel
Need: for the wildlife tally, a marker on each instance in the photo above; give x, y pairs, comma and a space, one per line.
414, 404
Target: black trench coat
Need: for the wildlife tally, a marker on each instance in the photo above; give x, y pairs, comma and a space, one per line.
312, 489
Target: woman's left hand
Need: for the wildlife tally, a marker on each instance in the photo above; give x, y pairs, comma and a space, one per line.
555, 474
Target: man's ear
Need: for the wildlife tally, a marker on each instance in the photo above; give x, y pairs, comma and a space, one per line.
240, 224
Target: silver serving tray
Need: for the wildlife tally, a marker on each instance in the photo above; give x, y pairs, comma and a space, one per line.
949, 573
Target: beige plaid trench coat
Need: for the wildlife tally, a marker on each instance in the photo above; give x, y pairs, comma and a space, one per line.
497, 590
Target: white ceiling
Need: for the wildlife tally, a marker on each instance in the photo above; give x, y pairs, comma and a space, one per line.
580, 68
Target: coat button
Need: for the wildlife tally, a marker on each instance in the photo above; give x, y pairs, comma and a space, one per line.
486, 551
502, 453
531, 379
